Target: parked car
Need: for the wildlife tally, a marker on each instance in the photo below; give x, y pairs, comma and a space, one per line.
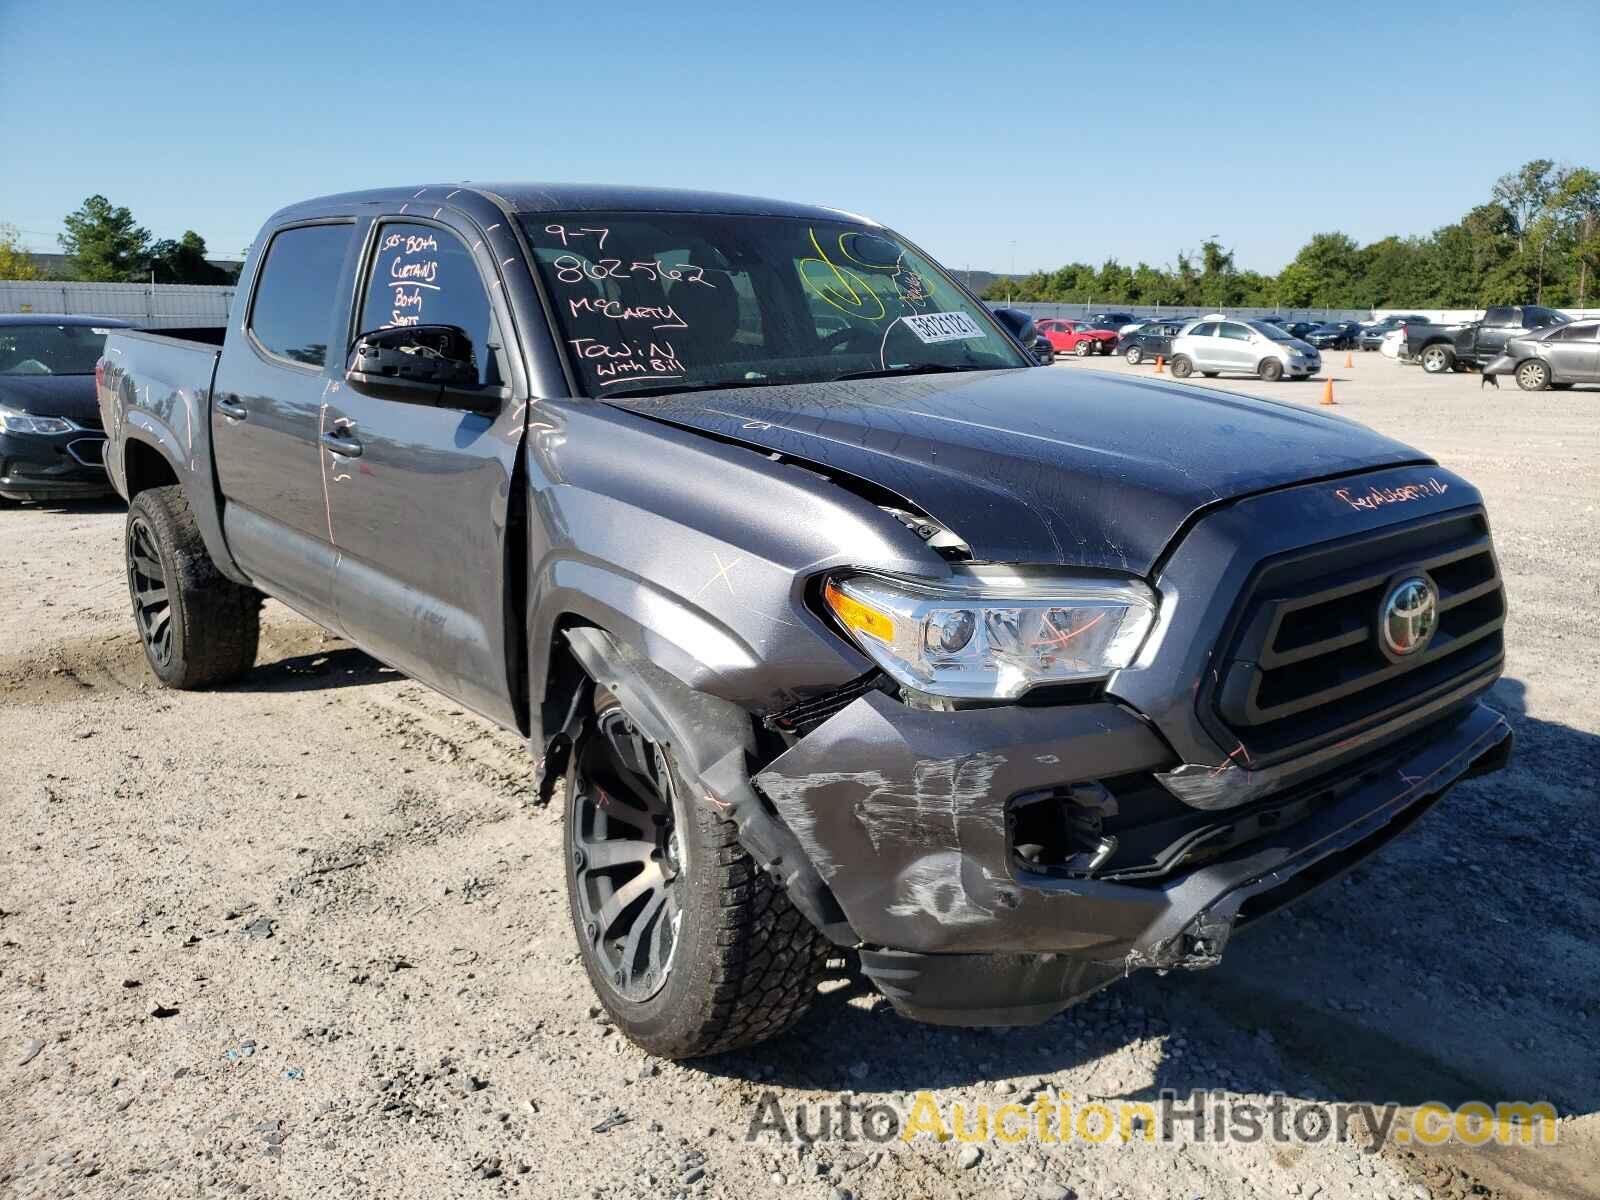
1006, 681
1150, 340
1372, 335
1070, 335
1298, 329
50, 435
1111, 320
1441, 348
1335, 335
1556, 356
1242, 347
1023, 327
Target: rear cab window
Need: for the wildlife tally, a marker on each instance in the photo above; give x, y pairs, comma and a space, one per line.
297, 289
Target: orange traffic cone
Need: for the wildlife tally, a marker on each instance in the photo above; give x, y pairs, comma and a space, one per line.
1158, 364
1349, 360
1327, 392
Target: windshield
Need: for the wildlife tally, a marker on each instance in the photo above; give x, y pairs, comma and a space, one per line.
50, 349
683, 301
1276, 332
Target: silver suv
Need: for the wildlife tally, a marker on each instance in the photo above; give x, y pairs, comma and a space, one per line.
1214, 344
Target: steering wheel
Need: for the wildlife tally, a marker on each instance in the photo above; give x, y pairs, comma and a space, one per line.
842, 341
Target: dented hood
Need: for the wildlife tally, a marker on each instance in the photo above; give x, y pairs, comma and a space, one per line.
1045, 465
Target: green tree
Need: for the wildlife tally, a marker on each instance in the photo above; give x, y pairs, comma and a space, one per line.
1524, 193
184, 261
15, 262
104, 244
1577, 199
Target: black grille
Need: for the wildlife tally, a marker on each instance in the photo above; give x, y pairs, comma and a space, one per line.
1304, 667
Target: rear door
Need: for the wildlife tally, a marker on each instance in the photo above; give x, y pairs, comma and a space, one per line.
282, 359
1235, 351
1202, 346
419, 497
1574, 353
1498, 326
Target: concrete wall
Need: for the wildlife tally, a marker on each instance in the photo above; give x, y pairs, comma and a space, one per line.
160, 307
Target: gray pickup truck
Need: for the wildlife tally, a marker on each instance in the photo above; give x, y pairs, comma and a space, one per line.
1442, 348
844, 624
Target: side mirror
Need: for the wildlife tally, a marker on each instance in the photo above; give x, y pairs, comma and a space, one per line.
421, 364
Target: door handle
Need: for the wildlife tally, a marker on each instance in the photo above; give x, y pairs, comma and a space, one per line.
346, 446
229, 405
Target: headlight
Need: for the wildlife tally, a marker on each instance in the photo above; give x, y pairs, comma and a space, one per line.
991, 633
12, 421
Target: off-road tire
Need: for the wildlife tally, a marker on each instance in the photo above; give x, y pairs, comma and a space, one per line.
1182, 366
214, 623
1134, 355
1270, 370
746, 964
1533, 376
1438, 360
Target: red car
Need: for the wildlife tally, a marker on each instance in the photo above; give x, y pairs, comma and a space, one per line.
1069, 336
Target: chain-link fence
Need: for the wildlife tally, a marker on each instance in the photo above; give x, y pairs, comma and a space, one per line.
157, 306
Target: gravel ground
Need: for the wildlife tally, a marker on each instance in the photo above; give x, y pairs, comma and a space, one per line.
305, 936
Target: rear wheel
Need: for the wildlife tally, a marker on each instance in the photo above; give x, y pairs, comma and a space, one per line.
198, 627
690, 948
1436, 360
1135, 356
1533, 376
1270, 369
1084, 348
1182, 366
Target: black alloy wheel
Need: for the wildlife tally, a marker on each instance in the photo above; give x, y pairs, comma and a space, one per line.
627, 857
152, 602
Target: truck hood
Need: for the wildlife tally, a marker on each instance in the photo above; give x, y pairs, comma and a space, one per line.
1064, 466
70, 396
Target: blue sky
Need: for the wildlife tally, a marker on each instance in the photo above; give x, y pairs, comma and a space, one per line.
1076, 131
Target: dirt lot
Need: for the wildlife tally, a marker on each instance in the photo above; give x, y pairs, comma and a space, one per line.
305, 936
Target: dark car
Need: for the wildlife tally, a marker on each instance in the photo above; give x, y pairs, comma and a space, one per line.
1335, 335
1299, 329
1113, 321
1153, 339
50, 434
873, 640
1371, 336
1022, 326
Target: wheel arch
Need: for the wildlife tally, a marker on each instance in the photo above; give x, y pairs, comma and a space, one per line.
714, 746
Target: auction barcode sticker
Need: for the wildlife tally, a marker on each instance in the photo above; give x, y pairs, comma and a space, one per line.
944, 327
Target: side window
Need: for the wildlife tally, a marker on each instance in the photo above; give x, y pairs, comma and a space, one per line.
424, 275
1501, 316
1238, 333
1205, 329
297, 291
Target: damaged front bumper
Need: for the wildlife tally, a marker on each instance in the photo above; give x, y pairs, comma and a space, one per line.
910, 818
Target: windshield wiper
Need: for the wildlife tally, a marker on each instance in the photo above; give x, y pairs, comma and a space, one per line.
717, 385
910, 369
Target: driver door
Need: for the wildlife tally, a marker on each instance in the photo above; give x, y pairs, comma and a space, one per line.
418, 493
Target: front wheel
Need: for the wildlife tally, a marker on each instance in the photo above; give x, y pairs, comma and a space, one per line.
1083, 349
1182, 366
1135, 356
198, 627
1436, 360
1271, 370
690, 947
1533, 376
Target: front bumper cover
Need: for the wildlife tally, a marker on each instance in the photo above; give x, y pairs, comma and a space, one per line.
56, 466
903, 814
